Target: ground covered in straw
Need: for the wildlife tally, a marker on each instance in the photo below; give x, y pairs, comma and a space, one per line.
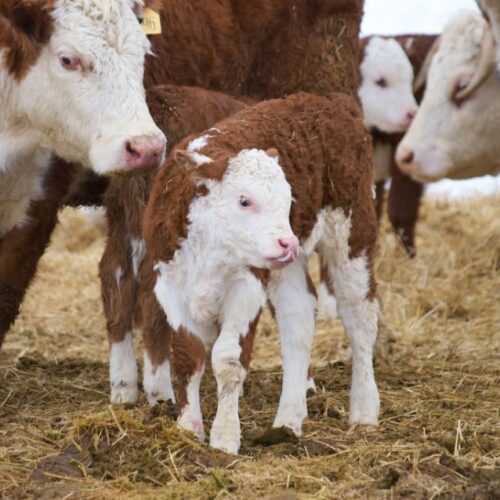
438, 371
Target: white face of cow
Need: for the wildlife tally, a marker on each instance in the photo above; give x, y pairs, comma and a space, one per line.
386, 86
251, 205
455, 133
83, 97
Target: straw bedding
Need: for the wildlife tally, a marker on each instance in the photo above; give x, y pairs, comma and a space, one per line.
438, 369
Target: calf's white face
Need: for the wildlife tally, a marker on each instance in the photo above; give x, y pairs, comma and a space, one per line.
453, 136
83, 97
386, 90
250, 210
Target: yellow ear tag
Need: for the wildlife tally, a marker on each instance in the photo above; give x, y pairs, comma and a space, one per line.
151, 23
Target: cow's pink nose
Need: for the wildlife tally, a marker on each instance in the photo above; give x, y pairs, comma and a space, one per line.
404, 158
145, 152
290, 244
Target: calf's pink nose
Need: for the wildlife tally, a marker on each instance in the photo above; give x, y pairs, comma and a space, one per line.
290, 244
145, 152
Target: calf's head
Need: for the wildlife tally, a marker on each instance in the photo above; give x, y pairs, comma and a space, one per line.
386, 91
73, 72
455, 131
247, 211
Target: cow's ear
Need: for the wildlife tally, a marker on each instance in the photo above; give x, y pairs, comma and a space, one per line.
24, 28
273, 153
33, 20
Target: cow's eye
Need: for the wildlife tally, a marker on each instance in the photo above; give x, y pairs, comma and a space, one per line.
245, 202
381, 82
71, 62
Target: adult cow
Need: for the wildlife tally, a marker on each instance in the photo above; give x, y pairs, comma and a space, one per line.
71, 84
263, 49
455, 133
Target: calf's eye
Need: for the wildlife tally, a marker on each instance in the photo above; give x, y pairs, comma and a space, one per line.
381, 82
245, 202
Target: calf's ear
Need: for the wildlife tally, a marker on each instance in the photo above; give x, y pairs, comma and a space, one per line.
185, 159
25, 26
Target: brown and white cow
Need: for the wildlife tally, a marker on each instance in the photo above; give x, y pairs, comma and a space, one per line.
71, 84
224, 234
455, 132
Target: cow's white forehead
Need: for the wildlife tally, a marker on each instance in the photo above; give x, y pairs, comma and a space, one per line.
113, 21
460, 43
386, 56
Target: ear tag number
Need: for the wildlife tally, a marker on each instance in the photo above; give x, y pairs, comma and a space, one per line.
151, 23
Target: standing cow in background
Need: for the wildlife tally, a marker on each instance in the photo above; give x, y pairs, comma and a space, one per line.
70, 84
455, 133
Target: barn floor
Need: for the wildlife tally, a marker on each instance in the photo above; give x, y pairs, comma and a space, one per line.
438, 371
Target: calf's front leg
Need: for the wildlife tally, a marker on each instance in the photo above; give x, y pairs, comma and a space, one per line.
230, 358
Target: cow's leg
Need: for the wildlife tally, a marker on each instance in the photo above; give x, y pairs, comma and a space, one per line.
379, 198
358, 308
294, 302
119, 295
403, 207
22, 248
157, 342
242, 304
188, 356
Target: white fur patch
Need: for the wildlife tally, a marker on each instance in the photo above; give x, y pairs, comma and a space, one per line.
191, 418
118, 275
198, 143
123, 371
327, 305
157, 382
138, 253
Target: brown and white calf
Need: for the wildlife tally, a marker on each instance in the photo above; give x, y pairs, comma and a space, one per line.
389, 67
263, 49
225, 237
178, 111
71, 84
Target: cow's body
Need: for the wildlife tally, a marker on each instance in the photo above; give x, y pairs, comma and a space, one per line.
193, 50
125, 280
210, 279
454, 133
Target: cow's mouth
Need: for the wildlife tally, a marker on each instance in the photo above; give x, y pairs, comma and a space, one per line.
282, 260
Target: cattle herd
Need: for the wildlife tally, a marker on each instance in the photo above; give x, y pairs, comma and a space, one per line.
227, 148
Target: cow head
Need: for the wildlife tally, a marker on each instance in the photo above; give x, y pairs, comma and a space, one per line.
455, 131
386, 86
72, 72
247, 211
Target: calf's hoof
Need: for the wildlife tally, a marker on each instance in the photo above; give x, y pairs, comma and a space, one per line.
190, 421
124, 392
365, 410
291, 417
225, 438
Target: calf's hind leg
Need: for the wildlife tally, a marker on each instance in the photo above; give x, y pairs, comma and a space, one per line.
292, 295
119, 291
357, 307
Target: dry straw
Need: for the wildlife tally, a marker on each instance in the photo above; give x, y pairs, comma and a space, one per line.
438, 369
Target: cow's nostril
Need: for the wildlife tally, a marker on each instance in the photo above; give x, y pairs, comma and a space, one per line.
408, 157
410, 115
133, 152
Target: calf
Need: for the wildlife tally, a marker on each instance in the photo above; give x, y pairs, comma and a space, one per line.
179, 111
395, 70
71, 84
217, 227
263, 49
